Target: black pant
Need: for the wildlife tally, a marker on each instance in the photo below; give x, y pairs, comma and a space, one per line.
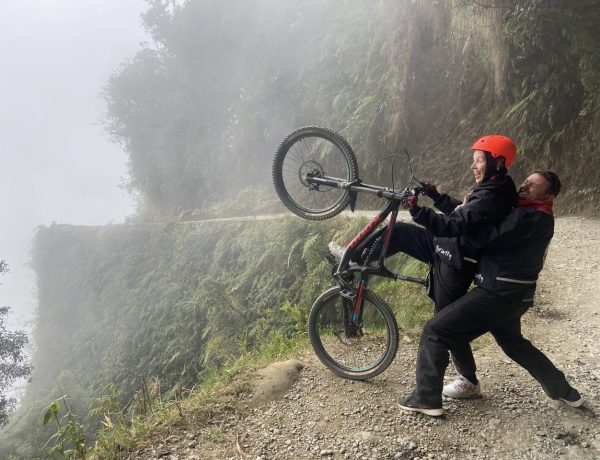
449, 284
476, 313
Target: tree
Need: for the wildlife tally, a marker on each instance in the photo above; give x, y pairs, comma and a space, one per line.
13, 364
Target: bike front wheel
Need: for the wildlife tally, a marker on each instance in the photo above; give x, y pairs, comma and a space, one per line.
319, 152
351, 351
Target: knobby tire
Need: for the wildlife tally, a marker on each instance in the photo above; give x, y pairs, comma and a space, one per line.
353, 358
313, 149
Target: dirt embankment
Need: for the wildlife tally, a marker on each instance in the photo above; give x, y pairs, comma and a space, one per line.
317, 415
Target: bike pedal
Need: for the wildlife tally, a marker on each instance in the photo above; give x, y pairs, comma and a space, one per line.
348, 295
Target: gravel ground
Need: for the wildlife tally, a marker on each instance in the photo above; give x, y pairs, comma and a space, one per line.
323, 416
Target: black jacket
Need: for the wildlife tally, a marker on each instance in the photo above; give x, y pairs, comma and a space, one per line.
514, 252
456, 231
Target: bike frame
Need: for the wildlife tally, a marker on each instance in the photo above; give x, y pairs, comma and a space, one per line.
345, 272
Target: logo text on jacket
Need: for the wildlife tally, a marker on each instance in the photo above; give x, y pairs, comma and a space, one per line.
443, 252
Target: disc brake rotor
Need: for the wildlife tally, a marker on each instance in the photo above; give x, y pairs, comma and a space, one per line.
312, 167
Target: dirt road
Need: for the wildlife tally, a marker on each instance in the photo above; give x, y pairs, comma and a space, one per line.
323, 416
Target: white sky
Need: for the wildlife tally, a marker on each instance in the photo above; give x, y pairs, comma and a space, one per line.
56, 162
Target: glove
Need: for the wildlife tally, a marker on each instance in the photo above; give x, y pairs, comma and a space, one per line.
431, 191
410, 202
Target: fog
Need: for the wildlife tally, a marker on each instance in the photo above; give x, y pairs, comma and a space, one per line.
57, 164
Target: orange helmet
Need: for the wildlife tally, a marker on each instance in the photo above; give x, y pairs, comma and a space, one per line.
498, 146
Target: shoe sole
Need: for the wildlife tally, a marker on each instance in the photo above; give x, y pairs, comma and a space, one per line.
474, 396
430, 412
577, 403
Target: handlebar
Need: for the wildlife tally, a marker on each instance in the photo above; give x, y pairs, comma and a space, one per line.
357, 186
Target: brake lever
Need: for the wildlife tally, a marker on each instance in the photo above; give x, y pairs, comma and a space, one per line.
408, 192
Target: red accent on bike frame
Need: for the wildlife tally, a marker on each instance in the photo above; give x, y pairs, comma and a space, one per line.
370, 226
358, 300
390, 230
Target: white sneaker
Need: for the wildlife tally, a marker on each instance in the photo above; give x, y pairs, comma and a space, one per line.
462, 388
336, 250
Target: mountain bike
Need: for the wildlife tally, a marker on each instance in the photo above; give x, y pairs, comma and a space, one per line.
352, 330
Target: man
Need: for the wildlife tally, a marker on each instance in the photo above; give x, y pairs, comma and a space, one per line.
506, 279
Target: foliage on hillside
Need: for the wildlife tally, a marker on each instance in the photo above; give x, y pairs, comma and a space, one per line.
222, 84
124, 304
13, 360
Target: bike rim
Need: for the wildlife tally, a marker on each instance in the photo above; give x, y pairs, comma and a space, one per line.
318, 155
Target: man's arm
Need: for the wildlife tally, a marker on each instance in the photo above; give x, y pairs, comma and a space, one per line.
522, 226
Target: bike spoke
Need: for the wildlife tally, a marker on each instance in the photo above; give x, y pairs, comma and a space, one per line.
297, 154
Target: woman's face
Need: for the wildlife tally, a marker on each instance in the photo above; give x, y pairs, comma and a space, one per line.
479, 165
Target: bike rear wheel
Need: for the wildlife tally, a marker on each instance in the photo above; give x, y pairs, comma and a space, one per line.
317, 151
353, 353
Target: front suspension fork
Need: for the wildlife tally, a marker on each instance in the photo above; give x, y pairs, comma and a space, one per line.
353, 309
